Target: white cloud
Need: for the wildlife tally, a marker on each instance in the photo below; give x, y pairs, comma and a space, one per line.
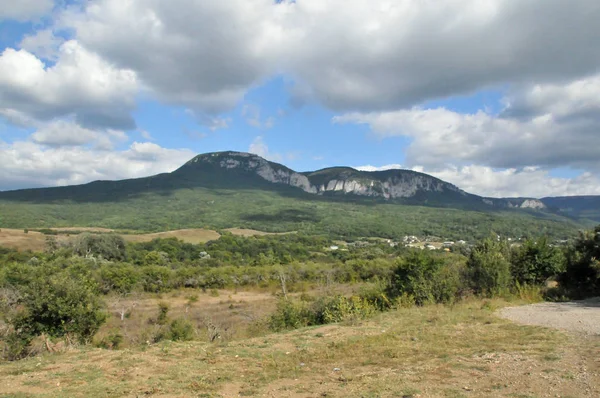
379, 168
27, 164
260, 148
378, 54
80, 84
252, 114
24, 10
504, 183
43, 43
146, 135
527, 182
542, 125
201, 54
65, 133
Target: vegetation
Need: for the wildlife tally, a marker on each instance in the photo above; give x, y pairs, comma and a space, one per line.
272, 211
61, 293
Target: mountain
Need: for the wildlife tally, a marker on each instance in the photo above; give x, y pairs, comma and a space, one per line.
228, 189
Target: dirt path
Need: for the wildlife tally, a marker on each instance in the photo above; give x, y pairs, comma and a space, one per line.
575, 316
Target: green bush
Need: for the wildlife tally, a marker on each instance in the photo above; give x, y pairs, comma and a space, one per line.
582, 275
340, 308
155, 279
181, 330
290, 315
426, 277
107, 246
536, 261
58, 305
488, 270
111, 342
121, 278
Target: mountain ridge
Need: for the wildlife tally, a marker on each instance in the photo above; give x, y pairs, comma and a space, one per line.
241, 170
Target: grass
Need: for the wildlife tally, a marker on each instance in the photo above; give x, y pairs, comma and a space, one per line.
445, 351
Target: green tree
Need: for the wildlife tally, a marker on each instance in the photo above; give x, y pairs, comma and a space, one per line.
108, 246
59, 305
582, 275
536, 261
488, 270
426, 277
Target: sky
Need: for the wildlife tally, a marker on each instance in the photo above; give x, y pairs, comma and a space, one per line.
499, 97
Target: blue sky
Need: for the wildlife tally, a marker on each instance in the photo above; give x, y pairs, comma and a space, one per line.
109, 89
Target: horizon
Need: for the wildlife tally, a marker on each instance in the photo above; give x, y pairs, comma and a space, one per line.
111, 90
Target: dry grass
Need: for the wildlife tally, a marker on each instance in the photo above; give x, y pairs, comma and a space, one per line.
253, 232
195, 236
36, 241
18, 239
83, 229
459, 351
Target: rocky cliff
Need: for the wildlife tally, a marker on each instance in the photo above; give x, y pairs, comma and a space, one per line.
391, 184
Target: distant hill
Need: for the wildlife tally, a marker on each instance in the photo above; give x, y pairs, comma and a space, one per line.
232, 189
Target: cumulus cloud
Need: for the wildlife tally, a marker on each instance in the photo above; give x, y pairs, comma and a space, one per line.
505, 183
544, 125
27, 164
201, 54
357, 55
79, 84
24, 10
43, 44
527, 182
378, 54
64, 133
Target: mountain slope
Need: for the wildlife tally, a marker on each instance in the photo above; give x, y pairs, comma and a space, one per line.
233, 189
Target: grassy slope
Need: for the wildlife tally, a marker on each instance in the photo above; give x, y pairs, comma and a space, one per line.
460, 351
277, 212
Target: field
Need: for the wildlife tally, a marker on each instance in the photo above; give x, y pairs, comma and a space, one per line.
36, 241
463, 350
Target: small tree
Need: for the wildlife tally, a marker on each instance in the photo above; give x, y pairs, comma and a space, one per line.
582, 274
58, 305
488, 270
425, 277
536, 261
108, 246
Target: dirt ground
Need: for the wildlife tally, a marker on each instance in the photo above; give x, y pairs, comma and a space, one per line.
575, 316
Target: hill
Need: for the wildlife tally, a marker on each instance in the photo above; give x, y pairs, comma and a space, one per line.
234, 189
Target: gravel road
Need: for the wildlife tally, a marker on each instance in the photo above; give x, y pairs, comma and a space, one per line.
574, 316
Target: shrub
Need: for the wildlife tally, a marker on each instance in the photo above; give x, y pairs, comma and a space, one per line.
155, 279
290, 315
119, 277
488, 270
111, 342
582, 275
536, 261
181, 330
58, 305
341, 309
426, 278
163, 313
107, 246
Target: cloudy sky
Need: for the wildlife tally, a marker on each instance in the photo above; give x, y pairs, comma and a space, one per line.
500, 97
